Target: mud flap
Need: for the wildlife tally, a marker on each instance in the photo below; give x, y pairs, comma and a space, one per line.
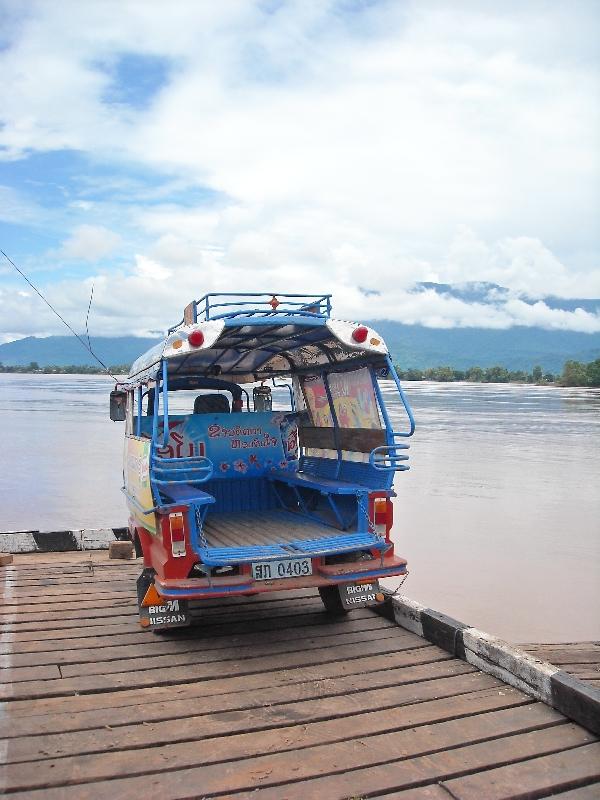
168, 614
359, 595
157, 611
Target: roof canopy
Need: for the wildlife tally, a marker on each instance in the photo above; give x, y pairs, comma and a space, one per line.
250, 344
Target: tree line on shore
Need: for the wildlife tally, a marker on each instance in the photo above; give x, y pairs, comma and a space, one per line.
575, 373
72, 369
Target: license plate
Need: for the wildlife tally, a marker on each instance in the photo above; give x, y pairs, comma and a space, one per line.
285, 568
169, 614
358, 595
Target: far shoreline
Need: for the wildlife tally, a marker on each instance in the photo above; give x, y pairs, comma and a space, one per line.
415, 382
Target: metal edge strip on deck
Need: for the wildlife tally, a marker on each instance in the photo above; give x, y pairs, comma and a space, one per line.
566, 693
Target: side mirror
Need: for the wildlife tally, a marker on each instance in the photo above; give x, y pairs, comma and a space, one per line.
118, 406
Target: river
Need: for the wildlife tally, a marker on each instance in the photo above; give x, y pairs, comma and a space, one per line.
499, 515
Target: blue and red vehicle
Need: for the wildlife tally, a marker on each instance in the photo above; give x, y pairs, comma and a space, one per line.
230, 493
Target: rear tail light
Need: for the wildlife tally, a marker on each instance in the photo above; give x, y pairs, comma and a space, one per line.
177, 528
196, 338
360, 334
381, 512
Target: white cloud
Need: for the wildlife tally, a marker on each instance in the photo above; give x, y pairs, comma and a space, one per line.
374, 148
146, 268
151, 295
521, 263
89, 243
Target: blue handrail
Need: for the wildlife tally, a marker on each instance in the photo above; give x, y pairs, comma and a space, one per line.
251, 304
389, 457
386, 418
403, 397
165, 470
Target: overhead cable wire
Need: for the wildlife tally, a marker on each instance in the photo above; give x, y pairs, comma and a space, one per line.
61, 318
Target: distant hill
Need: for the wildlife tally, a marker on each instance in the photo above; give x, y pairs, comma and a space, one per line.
62, 351
517, 348
411, 346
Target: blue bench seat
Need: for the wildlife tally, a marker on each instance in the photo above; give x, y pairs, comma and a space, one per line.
184, 493
311, 481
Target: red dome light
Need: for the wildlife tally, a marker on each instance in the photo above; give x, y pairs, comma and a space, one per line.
360, 334
196, 338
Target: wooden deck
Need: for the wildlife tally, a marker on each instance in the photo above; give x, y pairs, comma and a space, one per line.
581, 659
270, 698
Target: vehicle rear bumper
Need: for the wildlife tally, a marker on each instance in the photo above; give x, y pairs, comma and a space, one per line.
323, 575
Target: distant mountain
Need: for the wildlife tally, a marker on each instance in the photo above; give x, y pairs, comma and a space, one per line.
514, 348
486, 293
62, 351
410, 345
517, 348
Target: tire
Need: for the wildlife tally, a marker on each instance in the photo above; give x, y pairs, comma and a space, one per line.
330, 595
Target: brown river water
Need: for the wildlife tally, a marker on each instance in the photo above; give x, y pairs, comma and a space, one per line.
499, 516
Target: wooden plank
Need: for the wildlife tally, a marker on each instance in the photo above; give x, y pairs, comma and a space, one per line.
371, 710
26, 602
326, 676
194, 672
222, 605
297, 751
48, 672
57, 651
341, 770
51, 621
40, 626
404, 774
551, 773
25, 612
318, 622
433, 792
77, 615
358, 440
567, 646
589, 792
268, 697
207, 609
232, 653
579, 655
273, 621
100, 598
439, 679
251, 608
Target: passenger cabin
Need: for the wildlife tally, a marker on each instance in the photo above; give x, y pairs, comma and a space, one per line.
258, 431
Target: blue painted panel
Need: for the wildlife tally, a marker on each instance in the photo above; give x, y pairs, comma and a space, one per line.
252, 494
241, 446
351, 471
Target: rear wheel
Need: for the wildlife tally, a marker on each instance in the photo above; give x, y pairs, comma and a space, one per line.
330, 595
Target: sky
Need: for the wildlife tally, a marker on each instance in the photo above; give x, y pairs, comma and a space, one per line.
161, 151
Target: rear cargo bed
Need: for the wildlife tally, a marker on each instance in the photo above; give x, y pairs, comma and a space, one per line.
262, 527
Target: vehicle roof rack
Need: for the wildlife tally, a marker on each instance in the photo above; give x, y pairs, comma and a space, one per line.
264, 304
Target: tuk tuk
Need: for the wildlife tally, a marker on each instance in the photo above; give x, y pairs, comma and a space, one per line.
230, 493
